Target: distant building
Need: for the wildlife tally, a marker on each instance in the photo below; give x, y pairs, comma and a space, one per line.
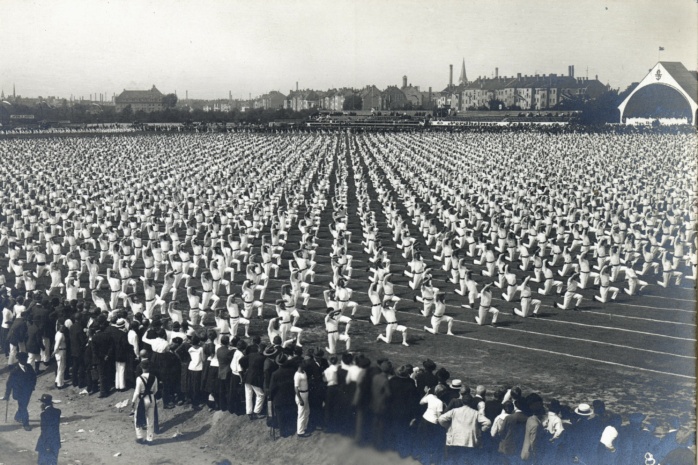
302, 100
272, 100
537, 92
371, 98
145, 100
393, 98
668, 93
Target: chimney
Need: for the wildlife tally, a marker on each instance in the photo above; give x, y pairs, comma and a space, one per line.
404, 81
186, 95
450, 75
518, 76
496, 72
596, 77
296, 86
570, 72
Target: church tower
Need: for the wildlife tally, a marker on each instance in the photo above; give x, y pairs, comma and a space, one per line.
463, 77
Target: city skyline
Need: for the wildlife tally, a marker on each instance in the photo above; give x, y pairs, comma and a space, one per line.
210, 48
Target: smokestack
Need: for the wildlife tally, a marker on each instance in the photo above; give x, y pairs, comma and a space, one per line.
518, 76
450, 75
496, 72
404, 81
296, 86
570, 71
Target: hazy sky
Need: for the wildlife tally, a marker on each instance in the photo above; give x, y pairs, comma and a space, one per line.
208, 47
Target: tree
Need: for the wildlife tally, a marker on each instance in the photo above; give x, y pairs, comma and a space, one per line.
352, 102
126, 115
169, 101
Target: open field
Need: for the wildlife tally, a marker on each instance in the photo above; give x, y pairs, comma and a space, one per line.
636, 353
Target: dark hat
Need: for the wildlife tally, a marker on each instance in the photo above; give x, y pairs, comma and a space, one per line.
386, 367
363, 361
429, 364
282, 360
277, 340
46, 399
403, 372
442, 374
271, 351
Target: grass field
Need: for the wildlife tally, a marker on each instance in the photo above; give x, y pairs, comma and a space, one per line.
636, 354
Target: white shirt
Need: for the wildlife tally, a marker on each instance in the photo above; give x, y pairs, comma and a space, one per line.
434, 408
235, 363
59, 342
330, 375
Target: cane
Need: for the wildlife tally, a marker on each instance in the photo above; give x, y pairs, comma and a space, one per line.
7, 407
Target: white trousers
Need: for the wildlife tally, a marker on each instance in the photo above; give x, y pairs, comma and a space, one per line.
303, 414
150, 418
120, 378
61, 363
253, 405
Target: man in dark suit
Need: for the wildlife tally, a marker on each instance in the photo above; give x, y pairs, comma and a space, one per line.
253, 378
283, 396
380, 397
21, 384
35, 343
103, 356
40, 315
78, 342
402, 410
314, 368
513, 431
49, 442
224, 355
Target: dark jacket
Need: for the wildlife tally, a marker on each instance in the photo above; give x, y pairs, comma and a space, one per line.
253, 364
281, 388
225, 357
513, 431
102, 348
122, 349
270, 367
78, 339
18, 332
40, 315
380, 393
21, 383
403, 404
50, 438
34, 339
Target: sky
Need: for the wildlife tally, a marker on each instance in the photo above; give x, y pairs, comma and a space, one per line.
250, 47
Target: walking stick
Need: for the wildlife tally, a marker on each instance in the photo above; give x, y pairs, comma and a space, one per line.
7, 407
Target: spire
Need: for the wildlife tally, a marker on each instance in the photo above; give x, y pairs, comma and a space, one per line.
463, 78
14, 96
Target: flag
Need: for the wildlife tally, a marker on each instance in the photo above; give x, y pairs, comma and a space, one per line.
661, 49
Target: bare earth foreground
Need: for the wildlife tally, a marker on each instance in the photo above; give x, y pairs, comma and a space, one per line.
637, 354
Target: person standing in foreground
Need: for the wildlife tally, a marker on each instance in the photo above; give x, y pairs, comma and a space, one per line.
49, 442
144, 404
21, 384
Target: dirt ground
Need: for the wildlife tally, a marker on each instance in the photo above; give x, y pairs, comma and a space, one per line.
636, 354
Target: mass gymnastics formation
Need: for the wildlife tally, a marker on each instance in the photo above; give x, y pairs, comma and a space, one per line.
193, 269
